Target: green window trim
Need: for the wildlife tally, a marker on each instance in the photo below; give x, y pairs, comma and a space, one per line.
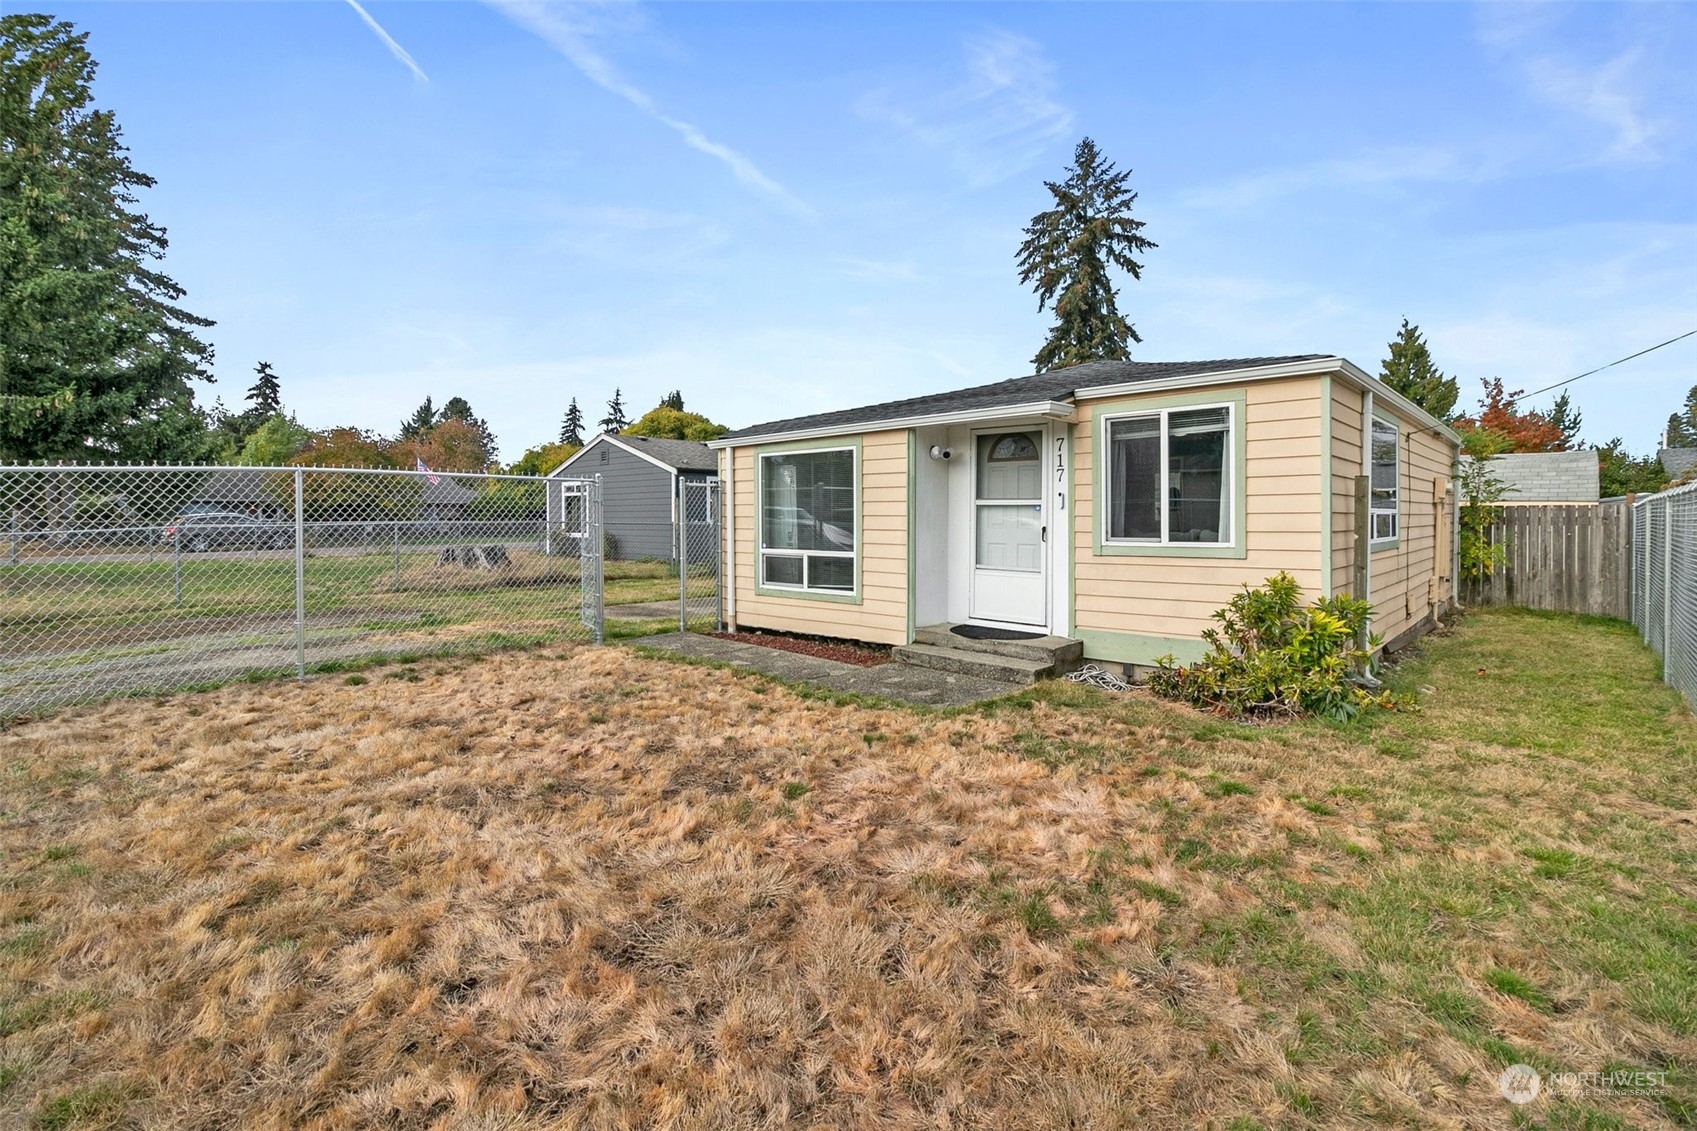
797, 447
1392, 540
1104, 411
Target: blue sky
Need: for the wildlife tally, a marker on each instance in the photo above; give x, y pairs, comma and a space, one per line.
786, 208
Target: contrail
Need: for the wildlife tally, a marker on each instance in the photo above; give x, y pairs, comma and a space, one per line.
547, 23
395, 49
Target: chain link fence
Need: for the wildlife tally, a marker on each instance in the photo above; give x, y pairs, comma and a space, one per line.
674, 546
1664, 582
126, 580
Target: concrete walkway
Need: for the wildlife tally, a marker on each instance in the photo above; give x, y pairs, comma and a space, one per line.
893, 680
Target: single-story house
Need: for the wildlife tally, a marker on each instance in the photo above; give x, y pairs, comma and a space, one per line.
1678, 462
639, 489
1548, 478
1115, 503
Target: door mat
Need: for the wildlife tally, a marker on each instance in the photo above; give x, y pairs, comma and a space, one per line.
979, 632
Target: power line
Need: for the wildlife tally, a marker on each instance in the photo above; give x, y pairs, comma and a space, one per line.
1600, 368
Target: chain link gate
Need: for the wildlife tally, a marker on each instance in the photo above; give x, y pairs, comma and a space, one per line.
126, 580
698, 554
1664, 582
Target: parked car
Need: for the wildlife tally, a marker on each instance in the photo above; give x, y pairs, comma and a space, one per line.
201, 531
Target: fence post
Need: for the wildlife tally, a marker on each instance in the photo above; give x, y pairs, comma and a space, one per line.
177, 555
397, 557
598, 602
300, 579
683, 553
1667, 589
14, 525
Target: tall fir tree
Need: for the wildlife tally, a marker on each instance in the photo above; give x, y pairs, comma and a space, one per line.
1066, 258
418, 425
1566, 420
615, 420
571, 428
1682, 425
673, 399
1410, 371
266, 393
97, 359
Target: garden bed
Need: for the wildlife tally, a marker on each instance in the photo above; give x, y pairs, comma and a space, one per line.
863, 655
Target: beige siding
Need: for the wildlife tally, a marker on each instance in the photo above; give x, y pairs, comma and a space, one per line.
881, 615
1174, 595
1412, 579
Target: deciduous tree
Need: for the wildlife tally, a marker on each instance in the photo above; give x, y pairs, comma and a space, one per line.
1517, 430
1068, 253
675, 424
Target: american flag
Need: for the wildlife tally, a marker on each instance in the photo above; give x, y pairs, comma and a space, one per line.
434, 479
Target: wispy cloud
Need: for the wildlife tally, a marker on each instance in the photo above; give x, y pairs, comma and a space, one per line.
395, 49
1387, 167
995, 122
568, 29
1612, 93
880, 271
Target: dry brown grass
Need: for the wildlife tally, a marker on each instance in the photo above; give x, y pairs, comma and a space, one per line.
594, 890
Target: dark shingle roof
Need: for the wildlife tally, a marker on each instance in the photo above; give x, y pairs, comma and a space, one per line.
1057, 384
1677, 461
684, 455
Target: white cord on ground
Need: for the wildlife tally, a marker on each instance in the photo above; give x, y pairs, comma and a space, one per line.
1097, 677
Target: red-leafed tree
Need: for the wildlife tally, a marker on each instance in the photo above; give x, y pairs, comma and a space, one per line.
1499, 426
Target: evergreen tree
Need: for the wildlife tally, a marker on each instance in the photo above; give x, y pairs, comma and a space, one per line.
1409, 370
1682, 426
97, 360
1565, 419
266, 395
418, 425
1066, 256
571, 428
673, 399
615, 421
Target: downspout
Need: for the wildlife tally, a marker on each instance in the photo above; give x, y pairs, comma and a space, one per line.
729, 501
1366, 549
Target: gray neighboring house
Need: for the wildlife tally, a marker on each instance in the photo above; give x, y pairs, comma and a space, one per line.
1548, 478
639, 488
1678, 462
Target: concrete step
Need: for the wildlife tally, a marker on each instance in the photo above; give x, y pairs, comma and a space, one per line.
983, 665
1062, 651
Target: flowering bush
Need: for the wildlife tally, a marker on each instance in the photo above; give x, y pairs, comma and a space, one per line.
1272, 656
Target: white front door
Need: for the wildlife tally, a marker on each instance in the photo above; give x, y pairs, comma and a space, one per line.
1010, 563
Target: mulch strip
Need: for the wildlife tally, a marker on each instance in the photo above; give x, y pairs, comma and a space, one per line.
860, 654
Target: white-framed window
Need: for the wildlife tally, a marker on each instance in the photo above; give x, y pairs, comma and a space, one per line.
808, 535
1169, 476
1382, 510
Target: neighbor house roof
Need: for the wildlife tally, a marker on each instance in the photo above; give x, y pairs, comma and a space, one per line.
1678, 461
674, 455
1547, 477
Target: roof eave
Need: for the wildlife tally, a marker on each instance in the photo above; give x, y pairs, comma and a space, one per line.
1049, 409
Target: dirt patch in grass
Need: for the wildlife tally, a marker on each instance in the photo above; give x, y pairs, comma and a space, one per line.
840, 650
582, 888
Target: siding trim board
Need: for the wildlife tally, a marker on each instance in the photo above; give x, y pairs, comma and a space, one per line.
1139, 648
1325, 484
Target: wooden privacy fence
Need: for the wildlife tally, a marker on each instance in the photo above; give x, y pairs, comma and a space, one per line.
1576, 559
